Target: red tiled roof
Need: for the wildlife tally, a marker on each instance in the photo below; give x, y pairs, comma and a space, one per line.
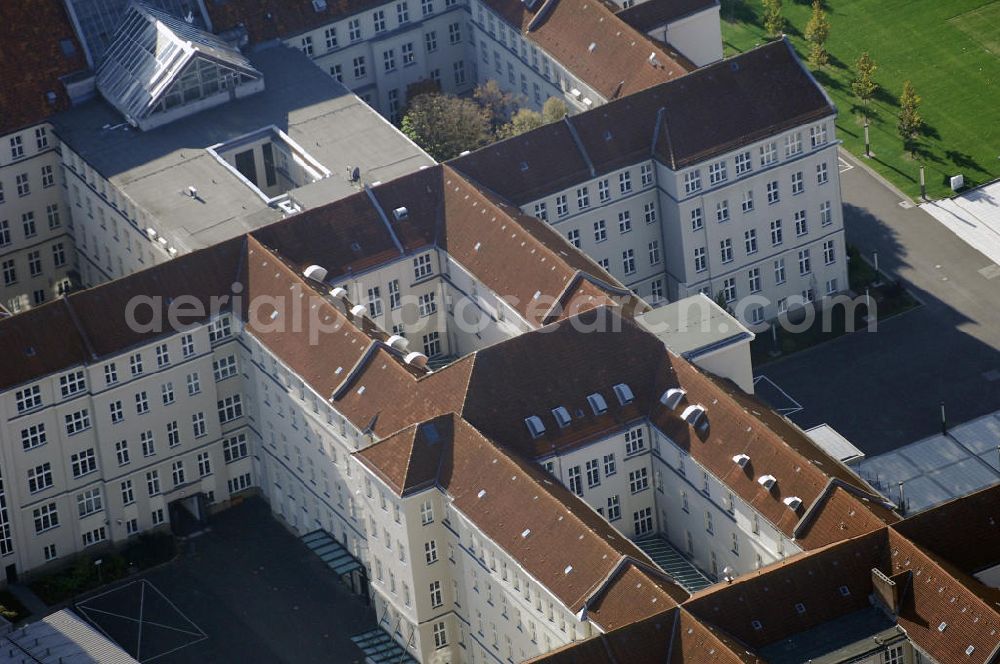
32, 60
943, 611
632, 595
617, 66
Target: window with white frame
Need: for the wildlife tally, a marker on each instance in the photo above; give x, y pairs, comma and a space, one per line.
776, 236
805, 263
173, 434
432, 344
825, 213
604, 190
89, 502
426, 512
643, 521
440, 632
817, 135
422, 266
235, 448
801, 227
654, 252
829, 254
768, 153
779, 271
750, 240
230, 408
793, 143
167, 393
614, 508
141, 402
692, 181
610, 467
797, 184
726, 250
646, 174
46, 517
729, 289
72, 383
148, 443
121, 452
822, 175
193, 384
700, 259
562, 205
220, 328
77, 422
638, 480
117, 412
574, 237
628, 261
717, 172
582, 198
625, 182
40, 477
153, 482
773, 193
635, 441
753, 277
128, 495
224, 367
427, 304
33, 436
593, 469
600, 231
83, 462
28, 398
744, 162
575, 480
697, 220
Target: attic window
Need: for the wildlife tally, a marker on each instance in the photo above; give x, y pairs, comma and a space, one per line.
67, 47
767, 481
607, 135
597, 403
481, 494
756, 625
569, 568
319, 5
693, 415
741, 460
970, 650
355, 247
525, 533
943, 626
535, 426
793, 502
400, 213
562, 416
624, 394
672, 397
844, 591
800, 608
524, 165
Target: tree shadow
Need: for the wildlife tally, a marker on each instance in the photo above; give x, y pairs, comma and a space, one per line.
930, 132
739, 11
827, 81
884, 96
922, 153
837, 62
963, 160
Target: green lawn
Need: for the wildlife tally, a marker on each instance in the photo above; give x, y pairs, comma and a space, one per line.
950, 49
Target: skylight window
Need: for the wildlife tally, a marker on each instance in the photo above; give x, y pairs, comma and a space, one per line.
562, 416
624, 394
597, 403
535, 426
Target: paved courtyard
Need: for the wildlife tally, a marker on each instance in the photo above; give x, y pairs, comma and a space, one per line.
883, 390
247, 591
975, 218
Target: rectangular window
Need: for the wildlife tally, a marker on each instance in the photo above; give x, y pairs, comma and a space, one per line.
306, 44
153, 482
801, 228
89, 502
768, 153
378, 21
750, 240
454, 33
225, 367
829, 255
330, 35
747, 203
593, 473
177, 472
135, 364
426, 7
654, 252
562, 206
793, 144
726, 250
28, 224
354, 29
360, 70
77, 422
72, 383
52, 214
628, 261
148, 442
193, 384
46, 517
779, 271
173, 434
39, 478
634, 441
729, 289
432, 344
692, 181
402, 12
646, 174
48, 177
128, 496
722, 211
805, 264
624, 221
83, 463
773, 195
638, 480
614, 508
817, 135
822, 175
643, 521
574, 237
575, 480
141, 403
825, 214
430, 41
604, 191
23, 187
121, 452
167, 393
610, 467
583, 198
235, 448
776, 233
600, 231
797, 185
389, 59
625, 182
697, 220
427, 304
435, 592
117, 412
422, 266
744, 163
33, 436
700, 259
753, 276
717, 172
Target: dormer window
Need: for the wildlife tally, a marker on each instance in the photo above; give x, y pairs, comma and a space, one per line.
562, 416
672, 397
535, 426
624, 394
767, 481
694, 415
597, 403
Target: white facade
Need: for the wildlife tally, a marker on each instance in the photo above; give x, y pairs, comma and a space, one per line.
36, 248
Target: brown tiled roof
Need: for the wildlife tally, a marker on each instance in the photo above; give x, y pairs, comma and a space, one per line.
617, 66
767, 90
964, 531
527, 514
645, 16
632, 595
813, 579
32, 60
944, 611
410, 459
843, 516
271, 19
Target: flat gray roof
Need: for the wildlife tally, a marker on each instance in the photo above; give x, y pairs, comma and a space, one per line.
155, 168
694, 326
842, 640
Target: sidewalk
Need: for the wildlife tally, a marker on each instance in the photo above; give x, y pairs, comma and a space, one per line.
26, 596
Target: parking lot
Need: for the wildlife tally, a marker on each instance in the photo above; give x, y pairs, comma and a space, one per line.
247, 591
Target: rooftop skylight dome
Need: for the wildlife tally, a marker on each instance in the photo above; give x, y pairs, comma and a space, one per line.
160, 68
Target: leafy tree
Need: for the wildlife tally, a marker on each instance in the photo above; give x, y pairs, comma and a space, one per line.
524, 120
554, 110
774, 22
445, 125
910, 123
817, 31
498, 104
864, 85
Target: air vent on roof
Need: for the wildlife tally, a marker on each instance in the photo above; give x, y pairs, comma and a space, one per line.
151, 233
597, 403
535, 426
339, 293
481, 494
525, 533
943, 626
653, 60
767, 481
575, 93
400, 213
800, 608
562, 416
358, 310
569, 568
587, 101
608, 135
172, 251
672, 397
354, 173
624, 394
592, 47
741, 460
315, 272
397, 342
319, 5
793, 502
416, 359
970, 650
694, 414
524, 165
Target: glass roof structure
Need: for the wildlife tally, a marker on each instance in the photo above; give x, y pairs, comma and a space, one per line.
97, 20
158, 62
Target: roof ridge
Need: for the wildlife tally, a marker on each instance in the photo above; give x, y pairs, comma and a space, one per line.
79, 328
385, 219
579, 144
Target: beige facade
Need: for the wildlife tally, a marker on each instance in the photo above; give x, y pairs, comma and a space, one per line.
36, 247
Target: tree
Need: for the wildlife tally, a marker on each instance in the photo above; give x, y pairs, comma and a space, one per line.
498, 104
774, 22
524, 120
864, 85
554, 110
910, 123
817, 31
445, 125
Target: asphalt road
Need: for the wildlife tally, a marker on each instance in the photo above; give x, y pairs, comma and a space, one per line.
883, 389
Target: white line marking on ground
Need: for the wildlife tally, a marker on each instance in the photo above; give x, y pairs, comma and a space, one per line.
145, 622
844, 165
787, 412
